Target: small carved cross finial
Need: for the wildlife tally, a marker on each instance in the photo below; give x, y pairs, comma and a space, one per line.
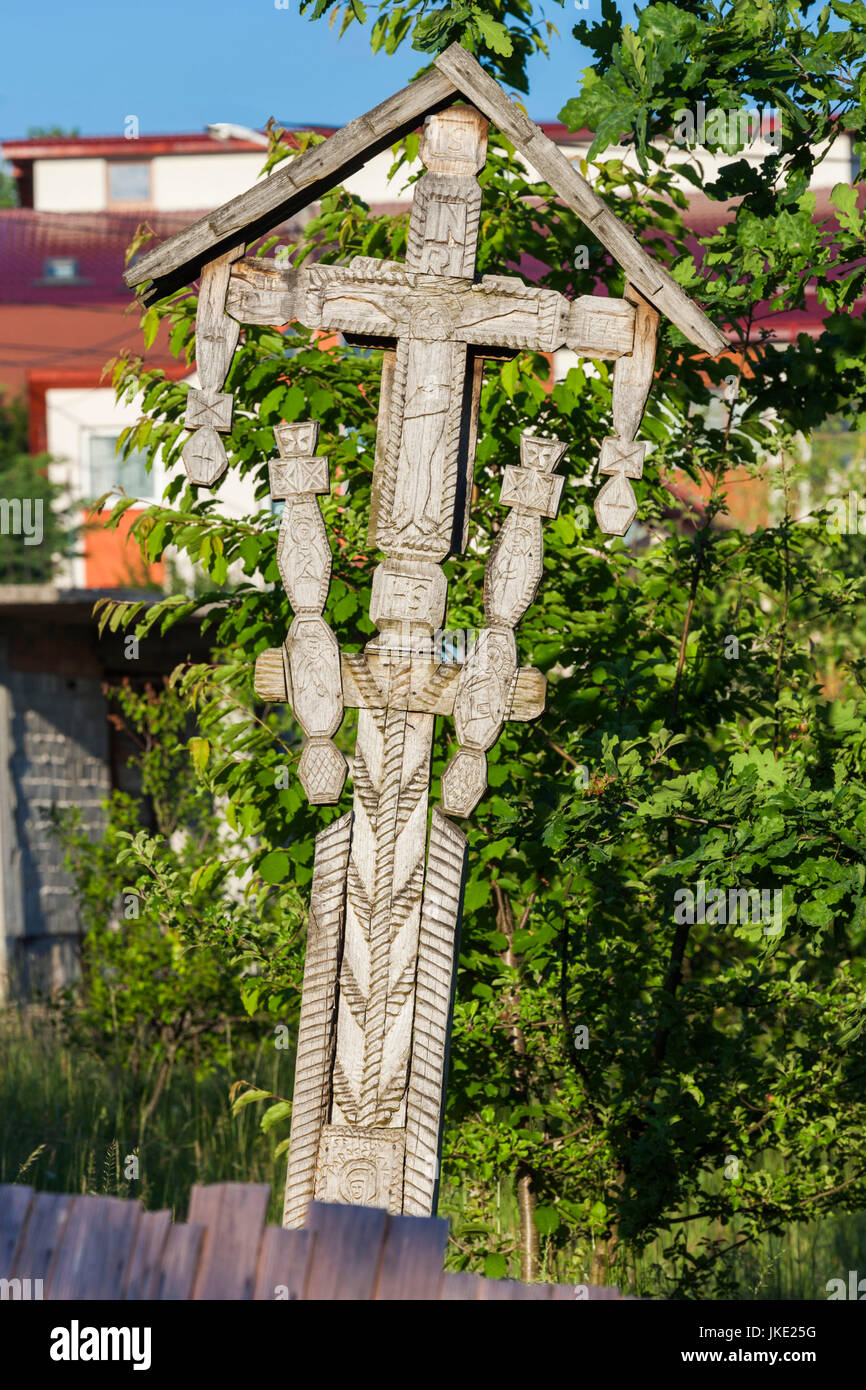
298, 471
298, 439
538, 452
616, 504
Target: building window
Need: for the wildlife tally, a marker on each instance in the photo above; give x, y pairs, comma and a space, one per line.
129, 183
107, 470
60, 271
60, 268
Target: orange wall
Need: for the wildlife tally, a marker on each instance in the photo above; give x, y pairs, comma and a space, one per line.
112, 559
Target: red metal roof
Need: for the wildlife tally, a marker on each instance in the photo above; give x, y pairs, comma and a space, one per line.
144, 146
96, 241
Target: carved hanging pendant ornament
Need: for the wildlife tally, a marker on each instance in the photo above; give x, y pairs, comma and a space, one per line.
388, 875
621, 457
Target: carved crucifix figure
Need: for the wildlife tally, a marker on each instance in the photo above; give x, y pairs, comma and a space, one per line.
386, 896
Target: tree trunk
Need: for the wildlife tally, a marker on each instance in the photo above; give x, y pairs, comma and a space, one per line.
529, 1257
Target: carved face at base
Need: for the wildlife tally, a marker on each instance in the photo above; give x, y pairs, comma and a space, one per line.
360, 1182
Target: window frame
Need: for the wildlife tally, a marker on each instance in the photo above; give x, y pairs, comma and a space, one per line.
121, 203
89, 492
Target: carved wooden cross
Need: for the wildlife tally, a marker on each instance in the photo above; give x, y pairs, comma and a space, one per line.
382, 945
382, 942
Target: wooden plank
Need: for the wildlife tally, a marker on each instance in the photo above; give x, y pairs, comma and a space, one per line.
375, 302
412, 1258
15, 1203
42, 1235
569, 184
142, 1272
438, 949
180, 1262
96, 1244
347, 1251
315, 1049
234, 1214
292, 186
284, 1262
507, 1290
456, 1287
585, 1293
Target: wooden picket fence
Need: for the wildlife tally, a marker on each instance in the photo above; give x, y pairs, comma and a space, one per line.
110, 1248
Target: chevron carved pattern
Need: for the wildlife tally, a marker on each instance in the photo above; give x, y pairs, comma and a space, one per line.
383, 906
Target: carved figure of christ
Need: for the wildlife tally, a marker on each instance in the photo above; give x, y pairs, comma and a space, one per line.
437, 324
368, 1089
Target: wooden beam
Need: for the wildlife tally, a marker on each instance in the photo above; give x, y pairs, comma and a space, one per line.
645, 273
293, 185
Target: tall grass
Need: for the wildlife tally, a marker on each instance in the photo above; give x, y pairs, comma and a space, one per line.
69, 1121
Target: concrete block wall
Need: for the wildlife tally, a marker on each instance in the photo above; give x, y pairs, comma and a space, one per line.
58, 757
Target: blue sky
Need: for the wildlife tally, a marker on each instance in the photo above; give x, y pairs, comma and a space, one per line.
83, 63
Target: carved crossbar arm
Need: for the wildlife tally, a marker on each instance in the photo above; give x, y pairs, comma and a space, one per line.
305, 671
382, 300
209, 408
621, 457
491, 688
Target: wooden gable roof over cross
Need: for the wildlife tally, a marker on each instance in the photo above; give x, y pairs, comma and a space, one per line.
235, 291
455, 74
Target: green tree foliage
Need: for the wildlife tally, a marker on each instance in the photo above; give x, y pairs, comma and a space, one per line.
8, 189
634, 1075
52, 132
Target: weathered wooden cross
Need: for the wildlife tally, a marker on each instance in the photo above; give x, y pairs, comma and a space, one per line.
388, 879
